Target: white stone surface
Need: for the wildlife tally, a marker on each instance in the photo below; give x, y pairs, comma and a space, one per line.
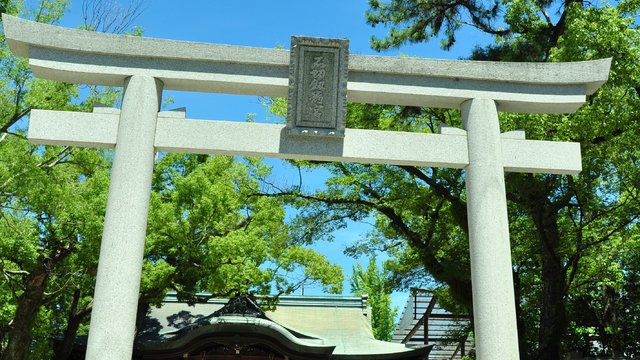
269, 140
178, 113
173, 134
494, 313
515, 134
115, 300
104, 109
97, 129
79, 56
536, 156
450, 130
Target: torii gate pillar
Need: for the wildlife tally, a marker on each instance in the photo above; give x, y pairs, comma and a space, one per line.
125, 222
494, 313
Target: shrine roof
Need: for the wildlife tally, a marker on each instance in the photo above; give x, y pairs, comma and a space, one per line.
308, 323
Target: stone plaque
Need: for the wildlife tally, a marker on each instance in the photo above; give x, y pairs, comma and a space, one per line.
317, 86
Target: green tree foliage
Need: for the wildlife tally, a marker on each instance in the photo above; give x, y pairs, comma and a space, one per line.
372, 281
208, 231
50, 202
574, 278
418, 21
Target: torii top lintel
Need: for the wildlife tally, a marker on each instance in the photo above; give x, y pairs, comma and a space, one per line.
79, 56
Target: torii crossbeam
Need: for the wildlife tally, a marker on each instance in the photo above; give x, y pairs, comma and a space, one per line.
146, 66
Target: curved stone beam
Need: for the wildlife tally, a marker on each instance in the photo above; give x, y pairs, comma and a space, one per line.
79, 56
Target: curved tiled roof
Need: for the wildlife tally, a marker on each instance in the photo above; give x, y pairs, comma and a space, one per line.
298, 324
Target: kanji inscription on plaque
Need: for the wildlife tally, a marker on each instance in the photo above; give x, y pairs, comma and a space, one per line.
318, 86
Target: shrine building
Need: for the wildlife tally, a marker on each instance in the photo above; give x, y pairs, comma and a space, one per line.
298, 328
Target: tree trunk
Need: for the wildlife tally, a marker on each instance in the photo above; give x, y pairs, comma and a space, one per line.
609, 326
20, 334
521, 324
143, 309
553, 317
64, 349
3, 331
533, 195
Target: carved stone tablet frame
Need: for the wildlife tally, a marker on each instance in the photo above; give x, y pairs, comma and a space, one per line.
318, 86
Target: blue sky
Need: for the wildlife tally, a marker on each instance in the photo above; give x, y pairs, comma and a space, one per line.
271, 24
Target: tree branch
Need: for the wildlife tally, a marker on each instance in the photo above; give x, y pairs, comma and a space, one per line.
14, 119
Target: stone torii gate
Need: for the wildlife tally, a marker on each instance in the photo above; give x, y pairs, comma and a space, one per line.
147, 66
